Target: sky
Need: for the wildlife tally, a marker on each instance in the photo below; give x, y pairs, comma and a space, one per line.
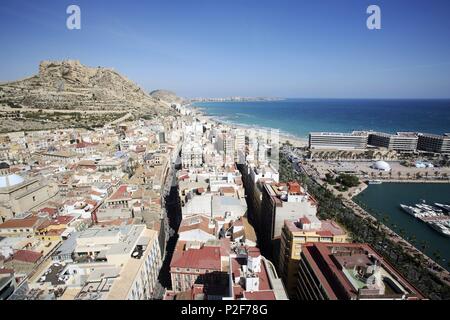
218, 48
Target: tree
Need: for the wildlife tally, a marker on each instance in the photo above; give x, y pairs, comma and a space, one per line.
348, 180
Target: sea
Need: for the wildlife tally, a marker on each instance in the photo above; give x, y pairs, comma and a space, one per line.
298, 117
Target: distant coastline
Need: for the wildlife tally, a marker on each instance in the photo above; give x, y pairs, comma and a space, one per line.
299, 117
237, 99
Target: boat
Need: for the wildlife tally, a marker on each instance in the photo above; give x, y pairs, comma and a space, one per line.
411, 210
375, 182
439, 227
442, 206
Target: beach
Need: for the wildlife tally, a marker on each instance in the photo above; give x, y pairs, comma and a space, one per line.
283, 136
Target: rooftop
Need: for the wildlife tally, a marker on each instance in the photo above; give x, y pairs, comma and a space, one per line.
355, 271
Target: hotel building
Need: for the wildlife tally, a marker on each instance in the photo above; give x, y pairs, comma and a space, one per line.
349, 271
434, 143
294, 235
402, 141
357, 140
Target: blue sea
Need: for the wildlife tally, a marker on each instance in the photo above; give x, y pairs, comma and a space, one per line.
301, 116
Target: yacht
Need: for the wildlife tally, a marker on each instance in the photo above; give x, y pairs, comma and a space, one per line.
411, 210
439, 227
443, 206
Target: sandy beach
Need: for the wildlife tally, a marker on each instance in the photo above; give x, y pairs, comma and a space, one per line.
294, 140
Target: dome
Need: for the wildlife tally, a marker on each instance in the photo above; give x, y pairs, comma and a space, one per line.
10, 180
381, 165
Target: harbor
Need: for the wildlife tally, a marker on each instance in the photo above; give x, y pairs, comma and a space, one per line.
436, 216
383, 202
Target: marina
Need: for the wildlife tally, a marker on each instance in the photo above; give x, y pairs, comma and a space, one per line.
433, 216
383, 202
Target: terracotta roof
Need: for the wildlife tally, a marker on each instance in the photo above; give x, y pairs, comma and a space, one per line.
204, 258
120, 193
226, 190
49, 211
19, 223
259, 295
61, 220
6, 271
83, 145
304, 220
195, 222
26, 256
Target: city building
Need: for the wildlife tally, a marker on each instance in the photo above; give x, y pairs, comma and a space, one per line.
434, 143
294, 235
402, 141
220, 270
19, 195
8, 283
281, 202
191, 155
357, 140
23, 261
336, 271
119, 263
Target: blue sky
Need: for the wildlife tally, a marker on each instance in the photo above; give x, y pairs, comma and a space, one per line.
314, 48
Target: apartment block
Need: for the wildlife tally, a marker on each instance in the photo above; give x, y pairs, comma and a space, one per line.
333, 271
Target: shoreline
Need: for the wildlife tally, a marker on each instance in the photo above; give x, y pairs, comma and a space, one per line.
296, 141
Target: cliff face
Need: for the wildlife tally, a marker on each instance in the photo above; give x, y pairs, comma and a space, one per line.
69, 85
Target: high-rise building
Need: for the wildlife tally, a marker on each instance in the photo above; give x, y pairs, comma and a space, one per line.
294, 235
434, 143
402, 141
281, 202
349, 271
357, 140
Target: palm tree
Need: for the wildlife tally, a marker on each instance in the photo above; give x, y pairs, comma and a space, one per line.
436, 174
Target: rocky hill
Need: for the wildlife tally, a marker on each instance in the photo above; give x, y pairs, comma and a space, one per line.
165, 95
69, 85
